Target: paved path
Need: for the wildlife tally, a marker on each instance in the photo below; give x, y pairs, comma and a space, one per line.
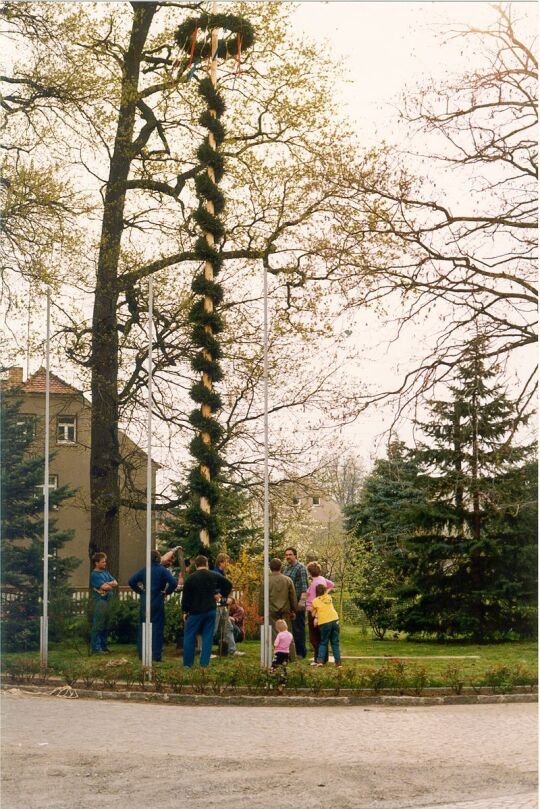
60, 754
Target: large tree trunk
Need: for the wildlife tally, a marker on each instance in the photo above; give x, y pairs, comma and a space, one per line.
105, 454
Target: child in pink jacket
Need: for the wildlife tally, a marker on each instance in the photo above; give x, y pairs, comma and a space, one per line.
282, 644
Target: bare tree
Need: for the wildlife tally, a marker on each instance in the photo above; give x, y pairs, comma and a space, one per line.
458, 236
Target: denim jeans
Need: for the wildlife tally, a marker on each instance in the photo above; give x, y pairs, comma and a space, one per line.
299, 633
200, 623
99, 634
329, 634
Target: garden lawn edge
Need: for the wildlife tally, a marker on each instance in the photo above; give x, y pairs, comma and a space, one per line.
253, 700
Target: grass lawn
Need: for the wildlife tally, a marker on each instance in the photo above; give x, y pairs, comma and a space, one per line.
523, 653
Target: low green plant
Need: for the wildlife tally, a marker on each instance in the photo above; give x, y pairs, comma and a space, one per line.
90, 673
22, 669
71, 674
297, 678
377, 679
198, 680
500, 679
454, 677
418, 679
177, 680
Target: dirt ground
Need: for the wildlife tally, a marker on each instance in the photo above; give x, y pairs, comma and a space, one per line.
77, 754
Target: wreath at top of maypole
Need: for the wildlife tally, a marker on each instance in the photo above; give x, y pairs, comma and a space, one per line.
241, 36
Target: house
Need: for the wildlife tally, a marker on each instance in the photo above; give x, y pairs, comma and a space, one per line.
70, 413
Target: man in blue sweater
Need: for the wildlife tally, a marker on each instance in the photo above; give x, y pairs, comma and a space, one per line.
202, 590
162, 583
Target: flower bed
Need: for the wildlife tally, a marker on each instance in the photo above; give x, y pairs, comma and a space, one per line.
391, 678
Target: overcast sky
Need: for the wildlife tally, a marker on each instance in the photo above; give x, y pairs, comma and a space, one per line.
387, 48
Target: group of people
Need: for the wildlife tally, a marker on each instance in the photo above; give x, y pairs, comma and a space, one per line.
210, 610
294, 592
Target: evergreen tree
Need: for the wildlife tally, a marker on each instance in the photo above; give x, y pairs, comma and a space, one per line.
378, 524
236, 525
22, 535
468, 568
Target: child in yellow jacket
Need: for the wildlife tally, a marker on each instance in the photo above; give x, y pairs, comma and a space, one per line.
327, 619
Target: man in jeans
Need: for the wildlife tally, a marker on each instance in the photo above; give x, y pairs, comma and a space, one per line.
223, 625
202, 590
296, 571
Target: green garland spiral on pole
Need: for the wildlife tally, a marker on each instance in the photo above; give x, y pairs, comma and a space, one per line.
205, 320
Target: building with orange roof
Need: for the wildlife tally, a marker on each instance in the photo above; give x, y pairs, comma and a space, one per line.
69, 426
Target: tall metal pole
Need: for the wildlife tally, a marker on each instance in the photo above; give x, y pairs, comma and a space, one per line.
147, 625
266, 633
44, 622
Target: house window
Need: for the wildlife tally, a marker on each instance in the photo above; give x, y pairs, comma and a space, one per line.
296, 501
26, 425
53, 484
67, 430
316, 501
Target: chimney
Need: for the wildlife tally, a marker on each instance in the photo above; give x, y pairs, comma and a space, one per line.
15, 378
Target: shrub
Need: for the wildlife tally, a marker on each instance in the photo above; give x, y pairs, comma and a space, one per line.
123, 620
455, 678
418, 679
499, 678
22, 669
174, 621
71, 673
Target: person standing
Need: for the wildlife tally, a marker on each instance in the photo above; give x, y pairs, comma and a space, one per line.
282, 601
326, 617
202, 590
282, 645
102, 584
314, 570
297, 572
224, 627
162, 583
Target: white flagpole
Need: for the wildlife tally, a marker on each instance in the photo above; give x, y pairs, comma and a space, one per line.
266, 634
147, 626
44, 623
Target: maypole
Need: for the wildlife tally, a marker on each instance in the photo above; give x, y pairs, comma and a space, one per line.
204, 315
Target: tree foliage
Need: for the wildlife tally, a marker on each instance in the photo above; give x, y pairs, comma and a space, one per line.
448, 546
102, 87
22, 535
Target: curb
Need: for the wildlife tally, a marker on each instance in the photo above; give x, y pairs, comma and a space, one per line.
252, 700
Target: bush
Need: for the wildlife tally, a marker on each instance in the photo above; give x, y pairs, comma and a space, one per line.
455, 678
124, 620
174, 622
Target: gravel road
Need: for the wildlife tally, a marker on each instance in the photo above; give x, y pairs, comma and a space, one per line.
75, 754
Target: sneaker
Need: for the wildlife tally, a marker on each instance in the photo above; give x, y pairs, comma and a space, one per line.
313, 663
339, 665
238, 654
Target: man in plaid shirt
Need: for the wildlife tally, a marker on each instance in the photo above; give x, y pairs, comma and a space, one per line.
297, 572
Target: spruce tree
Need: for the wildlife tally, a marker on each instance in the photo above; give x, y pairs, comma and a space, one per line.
22, 536
378, 525
468, 568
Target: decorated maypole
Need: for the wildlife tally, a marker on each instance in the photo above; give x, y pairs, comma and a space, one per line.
200, 40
